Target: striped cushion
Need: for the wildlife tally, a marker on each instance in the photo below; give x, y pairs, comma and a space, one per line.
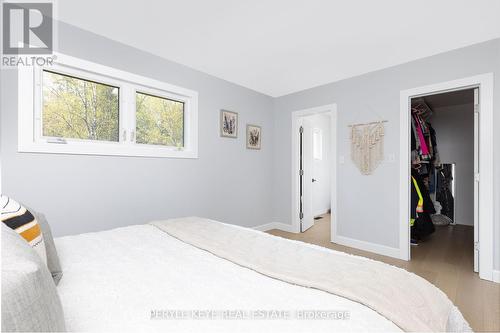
18, 218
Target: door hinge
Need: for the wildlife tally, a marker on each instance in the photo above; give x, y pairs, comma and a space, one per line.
301, 130
476, 246
301, 215
476, 177
301, 172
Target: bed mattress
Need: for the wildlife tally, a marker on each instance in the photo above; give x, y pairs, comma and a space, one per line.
139, 279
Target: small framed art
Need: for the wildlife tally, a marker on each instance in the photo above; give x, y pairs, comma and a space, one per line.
228, 124
254, 136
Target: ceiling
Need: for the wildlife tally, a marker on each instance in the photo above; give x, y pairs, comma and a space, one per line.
279, 47
452, 98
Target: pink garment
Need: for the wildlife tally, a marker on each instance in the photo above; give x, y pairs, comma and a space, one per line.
423, 144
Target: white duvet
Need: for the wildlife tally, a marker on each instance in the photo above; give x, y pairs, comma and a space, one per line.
113, 280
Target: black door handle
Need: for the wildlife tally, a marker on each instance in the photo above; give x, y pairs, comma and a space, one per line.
314, 180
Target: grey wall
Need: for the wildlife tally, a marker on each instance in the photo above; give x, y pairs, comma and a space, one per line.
454, 127
89, 193
368, 205
227, 182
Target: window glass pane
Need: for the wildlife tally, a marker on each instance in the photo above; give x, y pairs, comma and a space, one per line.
159, 121
317, 144
79, 109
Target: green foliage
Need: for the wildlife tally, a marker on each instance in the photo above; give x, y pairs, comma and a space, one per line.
159, 121
79, 109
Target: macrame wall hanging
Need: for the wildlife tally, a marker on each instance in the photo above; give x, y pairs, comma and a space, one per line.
367, 145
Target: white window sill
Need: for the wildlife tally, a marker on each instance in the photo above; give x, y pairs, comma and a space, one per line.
107, 149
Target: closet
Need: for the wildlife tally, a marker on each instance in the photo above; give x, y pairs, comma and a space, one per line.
424, 161
442, 163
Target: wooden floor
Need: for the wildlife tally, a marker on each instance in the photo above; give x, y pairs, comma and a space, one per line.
445, 259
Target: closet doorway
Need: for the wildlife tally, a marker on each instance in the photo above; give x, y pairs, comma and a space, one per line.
447, 127
313, 165
444, 160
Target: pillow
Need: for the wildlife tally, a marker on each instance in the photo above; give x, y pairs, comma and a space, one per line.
52, 258
50, 248
18, 218
29, 296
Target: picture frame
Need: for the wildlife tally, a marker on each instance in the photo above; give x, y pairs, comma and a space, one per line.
228, 124
254, 137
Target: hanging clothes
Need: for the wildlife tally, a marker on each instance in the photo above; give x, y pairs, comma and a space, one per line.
422, 227
420, 199
428, 205
424, 158
424, 151
423, 136
443, 191
421, 208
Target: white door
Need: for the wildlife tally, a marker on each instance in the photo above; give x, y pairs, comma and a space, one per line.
476, 179
306, 172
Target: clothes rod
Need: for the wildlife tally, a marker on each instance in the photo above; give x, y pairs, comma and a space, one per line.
373, 122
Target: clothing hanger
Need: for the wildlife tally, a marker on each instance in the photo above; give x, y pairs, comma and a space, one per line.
420, 108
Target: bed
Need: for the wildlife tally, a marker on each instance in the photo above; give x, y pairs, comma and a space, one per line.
160, 277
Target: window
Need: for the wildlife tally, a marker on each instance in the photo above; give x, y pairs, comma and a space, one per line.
79, 107
317, 144
159, 121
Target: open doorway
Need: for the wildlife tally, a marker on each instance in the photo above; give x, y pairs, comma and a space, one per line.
314, 168
313, 165
482, 250
444, 161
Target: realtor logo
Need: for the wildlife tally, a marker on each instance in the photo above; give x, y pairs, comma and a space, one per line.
27, 28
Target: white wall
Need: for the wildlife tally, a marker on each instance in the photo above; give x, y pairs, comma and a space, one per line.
321, 168
368, 205
90, 193
454, 127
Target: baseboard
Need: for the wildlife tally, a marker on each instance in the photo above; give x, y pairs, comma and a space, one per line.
367, 246
467, 225
265, 227
322, 212
496, 276
274, 225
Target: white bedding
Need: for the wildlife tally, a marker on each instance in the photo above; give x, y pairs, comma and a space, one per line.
114, 279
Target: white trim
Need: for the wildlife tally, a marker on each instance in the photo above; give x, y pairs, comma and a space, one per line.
333, 172
345, 241
485, 83
264, 227
274, 225
322, 211
496, 276
332, 110
29, 104
366, 246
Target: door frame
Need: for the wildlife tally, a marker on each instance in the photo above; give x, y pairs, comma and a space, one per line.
296, 115
486, 208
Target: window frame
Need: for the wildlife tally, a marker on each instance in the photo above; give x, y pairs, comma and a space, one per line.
163, 95
80, 75
30, 104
